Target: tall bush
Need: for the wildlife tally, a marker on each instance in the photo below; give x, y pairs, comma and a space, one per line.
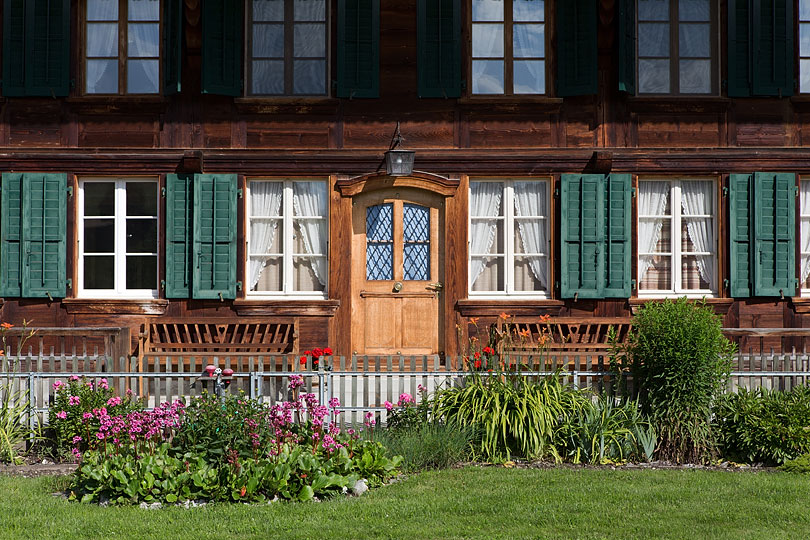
680, 362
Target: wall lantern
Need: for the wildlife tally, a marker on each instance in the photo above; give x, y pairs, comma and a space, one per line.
398, 162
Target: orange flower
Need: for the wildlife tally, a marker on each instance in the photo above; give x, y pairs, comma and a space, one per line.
7, 325
503, 316
243, 491
545, 318
2, 352
525, 333
474, 320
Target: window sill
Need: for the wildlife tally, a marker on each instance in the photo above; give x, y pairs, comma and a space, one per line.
666, 103
286, 105
146, 306
507, 103
487, 307
720, 305
118, 104
287, 307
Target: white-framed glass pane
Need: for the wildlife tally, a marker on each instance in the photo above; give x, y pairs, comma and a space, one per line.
271, 278
804, 69
142, 272
304, 278
695, 76
487, 199
309, 77
143, 40
653, 39
99, 199
491, 278
694, 10
530, 76
653, 10
524, 278
692, 275
266, 236
143, 76
804, 10
487, 41
487, 76
653, 76
99, 272
102, 10
804, 39
101, 77
143, 10
102, 39
268, 10
309, 10
309, 40
658, 276
268, 41
142, 199
99, 235
529, 41
268, 77
487, 10
694, 40
528, 10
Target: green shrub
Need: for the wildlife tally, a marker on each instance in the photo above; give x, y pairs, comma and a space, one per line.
603, 432
799, 465
767, 426
680, 362
431, 445
511, 414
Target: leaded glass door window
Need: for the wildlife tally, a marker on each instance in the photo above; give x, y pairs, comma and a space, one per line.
414, 242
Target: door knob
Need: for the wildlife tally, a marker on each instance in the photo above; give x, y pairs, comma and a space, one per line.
397, 286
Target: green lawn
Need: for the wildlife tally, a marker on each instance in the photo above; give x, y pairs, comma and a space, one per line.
467, 503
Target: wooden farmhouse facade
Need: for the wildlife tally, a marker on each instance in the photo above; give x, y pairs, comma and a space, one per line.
195, 160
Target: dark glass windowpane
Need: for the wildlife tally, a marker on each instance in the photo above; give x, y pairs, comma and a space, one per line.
99, 236
99, 199
141, 199
141, 235
99, 272
142, 272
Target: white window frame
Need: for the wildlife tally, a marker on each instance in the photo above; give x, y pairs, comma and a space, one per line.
804, 59
675, 241
119, 252
286, 251
802, 291
508, 206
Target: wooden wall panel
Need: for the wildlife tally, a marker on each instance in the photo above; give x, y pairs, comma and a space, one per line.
118, 132
281, 132
581, 130
679, 130
518, 131
35, 124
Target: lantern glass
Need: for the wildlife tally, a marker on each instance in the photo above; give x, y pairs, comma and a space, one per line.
399, 162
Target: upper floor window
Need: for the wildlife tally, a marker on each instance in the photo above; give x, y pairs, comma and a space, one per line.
118, 237
509, 240
508, 47
288, 48
122, 47
804, 213
804, 45
677, 47
677, 250
287, 237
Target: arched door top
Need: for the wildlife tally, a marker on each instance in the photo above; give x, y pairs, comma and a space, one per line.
435, 183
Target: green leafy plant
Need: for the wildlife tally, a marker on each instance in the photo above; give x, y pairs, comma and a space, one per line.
799, 465
767, 426
15, 402
430, 445
679, 361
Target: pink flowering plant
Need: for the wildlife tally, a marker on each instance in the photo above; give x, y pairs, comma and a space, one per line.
79, 408
407, 413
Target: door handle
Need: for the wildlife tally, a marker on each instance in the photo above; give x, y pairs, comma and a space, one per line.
397, 286
435, 286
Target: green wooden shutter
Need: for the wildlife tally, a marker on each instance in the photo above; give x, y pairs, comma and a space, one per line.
740, 234
582, 264
576, 47
358, 55
36, 48
172, 45
739, 48
222, 47
11, 235
627, 45
774, 204
179, 208
44, 235
438, 44
618, 223
773, 53
214, 248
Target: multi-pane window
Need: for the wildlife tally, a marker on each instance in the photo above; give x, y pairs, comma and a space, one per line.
410, 245
677, 47
118, 237
508, 47
804, 45
287, 237
509, 241
122, 47
288, 47
804, 247
677, 248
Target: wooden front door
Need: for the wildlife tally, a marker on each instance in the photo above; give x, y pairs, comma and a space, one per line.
397, 272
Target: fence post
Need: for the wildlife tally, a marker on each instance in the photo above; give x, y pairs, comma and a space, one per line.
252, 386
321, 383
32, 406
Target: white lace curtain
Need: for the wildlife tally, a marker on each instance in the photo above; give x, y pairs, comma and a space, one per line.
530, 200
652, 201
485, 202
805, 230
309, 200
265, 200
697, 199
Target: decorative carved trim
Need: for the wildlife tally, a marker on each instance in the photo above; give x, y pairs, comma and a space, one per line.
287, 308
720, 305
472, 307
379, 180
151, 306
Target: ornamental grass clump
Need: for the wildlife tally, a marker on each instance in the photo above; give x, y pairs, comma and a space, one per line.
679, 361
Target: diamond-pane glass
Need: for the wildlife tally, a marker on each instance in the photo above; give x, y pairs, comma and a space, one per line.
380, 242
416, 231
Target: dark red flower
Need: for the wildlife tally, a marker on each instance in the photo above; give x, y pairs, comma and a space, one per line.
477, 364
303, 360
327, 351
317, 353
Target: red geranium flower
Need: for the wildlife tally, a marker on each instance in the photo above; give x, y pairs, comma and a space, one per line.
303, 360
317, 353
477, 364
327, 351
